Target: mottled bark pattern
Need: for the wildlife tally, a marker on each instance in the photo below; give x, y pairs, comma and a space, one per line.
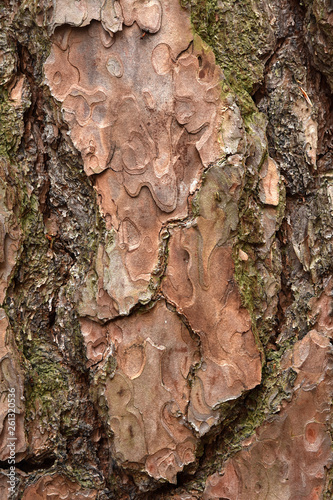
287, 456
165, 248
146, 113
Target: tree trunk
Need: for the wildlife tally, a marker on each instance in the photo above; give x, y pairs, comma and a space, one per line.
165, 249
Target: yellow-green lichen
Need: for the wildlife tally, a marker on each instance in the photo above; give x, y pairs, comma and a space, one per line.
240, 35
46, 385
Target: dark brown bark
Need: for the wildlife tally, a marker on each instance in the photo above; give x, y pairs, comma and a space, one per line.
166, 240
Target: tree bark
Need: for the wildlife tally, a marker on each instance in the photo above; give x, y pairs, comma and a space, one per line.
165, 249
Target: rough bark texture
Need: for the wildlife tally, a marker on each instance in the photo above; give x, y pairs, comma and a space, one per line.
165, 248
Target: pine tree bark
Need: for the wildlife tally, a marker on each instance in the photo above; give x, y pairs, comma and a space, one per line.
165, 249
